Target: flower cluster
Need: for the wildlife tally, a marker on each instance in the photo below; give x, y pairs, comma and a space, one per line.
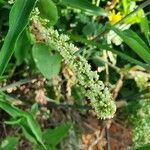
99, 95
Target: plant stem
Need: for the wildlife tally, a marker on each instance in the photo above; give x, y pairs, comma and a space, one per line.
16, 84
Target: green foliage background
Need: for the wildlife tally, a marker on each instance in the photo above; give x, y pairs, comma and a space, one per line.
39, 36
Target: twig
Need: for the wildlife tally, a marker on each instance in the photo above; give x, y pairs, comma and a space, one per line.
58, 105
121, 103
118, 86
117, 69
97, 140
5, 131
106, 66
134, 73
16, 84
108, 138
89, 126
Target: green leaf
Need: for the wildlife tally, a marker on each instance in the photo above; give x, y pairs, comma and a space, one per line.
48, 65
13, 121
91, 28
9, 143
106, 47
3, 78
27, 132
27, 121
18, 19
34, 109
145, 27
135, 43
144, 147
22, 47
34, 126
48, 10
85, 5
11, 110
53, 137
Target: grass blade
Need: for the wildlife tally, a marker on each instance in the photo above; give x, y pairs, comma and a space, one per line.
28, 122
135, 43
85, 6
107, 48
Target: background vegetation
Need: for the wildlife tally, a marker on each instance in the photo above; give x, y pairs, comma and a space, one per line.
74, 74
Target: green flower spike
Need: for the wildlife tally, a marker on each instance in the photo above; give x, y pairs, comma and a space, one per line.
99, 95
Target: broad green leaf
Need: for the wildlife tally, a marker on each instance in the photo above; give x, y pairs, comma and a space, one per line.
53, 137
135, 43
18, 19
22, 47
9, 143
48, 64
48, 10
85, 5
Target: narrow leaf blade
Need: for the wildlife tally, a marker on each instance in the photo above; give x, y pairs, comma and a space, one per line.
85, 5
18, 20
135, 43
